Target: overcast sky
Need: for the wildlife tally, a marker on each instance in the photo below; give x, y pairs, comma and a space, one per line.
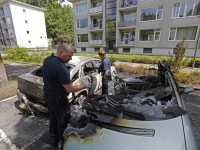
66, 2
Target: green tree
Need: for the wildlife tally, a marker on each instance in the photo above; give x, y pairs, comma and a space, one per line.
40, 3
59, 19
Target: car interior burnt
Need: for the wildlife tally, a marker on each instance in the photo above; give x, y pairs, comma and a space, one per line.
149, 97
38, 71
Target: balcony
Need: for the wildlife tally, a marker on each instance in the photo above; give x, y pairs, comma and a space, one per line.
127, 24
96, 27
96, 11
96, 42
128, 6
125, 43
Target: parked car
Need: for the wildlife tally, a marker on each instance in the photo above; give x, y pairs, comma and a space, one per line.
145, 113
30, 85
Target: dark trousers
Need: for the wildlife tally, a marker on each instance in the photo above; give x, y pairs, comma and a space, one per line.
59, 114
105, 85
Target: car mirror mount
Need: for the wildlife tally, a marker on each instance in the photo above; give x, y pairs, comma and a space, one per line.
186, 90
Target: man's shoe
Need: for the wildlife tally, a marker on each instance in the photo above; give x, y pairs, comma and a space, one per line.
60, 145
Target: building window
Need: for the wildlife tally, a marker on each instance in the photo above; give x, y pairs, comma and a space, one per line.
41, 37
186, 9
82, 37
151, 13
12, 41
24, 10
129, 17
126, 50
29, 42
8, 20
96, 49
97, 36
27, 32
26, 21
80, 8
97, 23
147, 50
128, 36
128, 3
82, 23
150, 35
10, 32
179, 33
83, 49
97, 4
6, 8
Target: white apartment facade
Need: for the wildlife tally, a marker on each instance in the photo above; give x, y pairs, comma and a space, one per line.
136, 26
22, 25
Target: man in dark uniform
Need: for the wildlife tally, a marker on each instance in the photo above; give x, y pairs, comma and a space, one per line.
57, 86
104, 69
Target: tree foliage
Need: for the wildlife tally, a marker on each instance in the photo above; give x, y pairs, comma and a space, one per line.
40, 3
59, 22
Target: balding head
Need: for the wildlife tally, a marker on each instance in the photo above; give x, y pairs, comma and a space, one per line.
65, 52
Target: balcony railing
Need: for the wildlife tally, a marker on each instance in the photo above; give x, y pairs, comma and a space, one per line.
96, 10
126, 23
125, 42
96, 27
96, 42
124, 3
3, 25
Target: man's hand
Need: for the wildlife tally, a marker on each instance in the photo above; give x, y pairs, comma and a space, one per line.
88, 85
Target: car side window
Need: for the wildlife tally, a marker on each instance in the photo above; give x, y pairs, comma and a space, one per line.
88, 68
38, 71
75, 77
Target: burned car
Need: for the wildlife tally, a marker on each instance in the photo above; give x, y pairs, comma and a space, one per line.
30, 85
148, 113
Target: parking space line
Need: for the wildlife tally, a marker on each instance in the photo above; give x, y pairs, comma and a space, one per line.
7, 99
4, 137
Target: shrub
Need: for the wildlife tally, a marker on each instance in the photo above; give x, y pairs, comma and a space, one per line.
112, 60
180, 60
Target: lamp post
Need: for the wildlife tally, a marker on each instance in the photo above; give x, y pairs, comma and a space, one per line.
197, 45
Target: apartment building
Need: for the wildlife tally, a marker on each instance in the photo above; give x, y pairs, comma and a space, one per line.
136, 26
21, 24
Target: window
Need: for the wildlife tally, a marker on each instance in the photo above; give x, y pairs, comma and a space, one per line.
129, 17
97, 4
147, 50
151, 13
128, 3
8, 20
82, 37
97, 36
26, 21
24, 10
82, 23
126, 50
27, 32
29, 42
96, 49
97, 23
10, 32
186, 9
150, 35
41, 37
6, 8
80, 8
12, 41
83, 49
128, 36
181, 32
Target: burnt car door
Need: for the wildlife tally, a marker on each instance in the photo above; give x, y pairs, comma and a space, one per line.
31, 84
96, 64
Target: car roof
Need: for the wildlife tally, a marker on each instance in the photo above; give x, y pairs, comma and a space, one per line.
80, 59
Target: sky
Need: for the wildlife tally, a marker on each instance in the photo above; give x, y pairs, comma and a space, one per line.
66, 2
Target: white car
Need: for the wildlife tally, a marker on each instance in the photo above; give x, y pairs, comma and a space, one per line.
149, 114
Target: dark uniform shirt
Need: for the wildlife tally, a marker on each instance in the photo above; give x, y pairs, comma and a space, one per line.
55, 75
105, 65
